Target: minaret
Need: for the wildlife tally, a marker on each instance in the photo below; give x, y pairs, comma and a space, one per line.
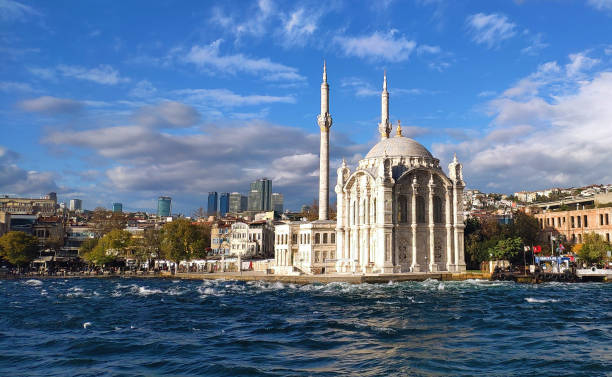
384, 127
325, 121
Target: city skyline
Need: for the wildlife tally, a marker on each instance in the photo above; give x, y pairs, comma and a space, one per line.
226, 95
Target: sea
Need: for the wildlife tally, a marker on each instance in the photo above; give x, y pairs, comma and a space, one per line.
163, 327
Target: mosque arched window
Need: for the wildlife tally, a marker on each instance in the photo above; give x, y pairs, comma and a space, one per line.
420, 209
437, 204
402, 209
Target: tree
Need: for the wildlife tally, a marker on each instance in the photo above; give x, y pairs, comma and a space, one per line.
526, 227
506, 248
182, 240
198, 213
18, 248
594, 248
109, 247
88, 245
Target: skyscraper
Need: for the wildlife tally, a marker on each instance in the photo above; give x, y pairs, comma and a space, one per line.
277, 202
237, 202
117, 207
76, 205
260, 196
223, 203
164, 206
212, 203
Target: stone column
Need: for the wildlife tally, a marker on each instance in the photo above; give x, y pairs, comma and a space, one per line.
415, 264
449, 228
367, 229
432, 245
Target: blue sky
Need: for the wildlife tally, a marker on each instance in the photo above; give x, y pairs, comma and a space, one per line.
127, 101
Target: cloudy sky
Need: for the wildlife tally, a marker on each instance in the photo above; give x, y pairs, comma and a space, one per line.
126, 101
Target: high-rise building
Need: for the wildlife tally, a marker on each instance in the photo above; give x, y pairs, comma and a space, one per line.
212, 203
76, 205
277, 202
117, 207
223, 203
237, 202
52, 196
164, 206
260, 196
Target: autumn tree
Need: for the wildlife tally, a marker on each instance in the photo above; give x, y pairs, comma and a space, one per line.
594, 248
18, 248
109, 247
182, 240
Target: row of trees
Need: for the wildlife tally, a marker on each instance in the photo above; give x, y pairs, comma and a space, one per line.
177, 240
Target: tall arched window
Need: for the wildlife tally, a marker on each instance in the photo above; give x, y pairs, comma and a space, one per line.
333, 238
437, 204
420, 209
402, 207
317, 238
324, 237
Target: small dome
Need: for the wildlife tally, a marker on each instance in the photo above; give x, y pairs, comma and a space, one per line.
398, 147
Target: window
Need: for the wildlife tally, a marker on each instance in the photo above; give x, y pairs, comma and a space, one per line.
308, 238
437, 204
420, 209
333, 238
586, 224
578, 218
601, 219
607, 220
374, 211
608, 237
402, 209
580, 238
573, 222
324, 237
294, 238
317, 238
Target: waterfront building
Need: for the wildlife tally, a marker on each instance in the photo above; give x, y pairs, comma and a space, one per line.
252, 239
220, 233
574, 224
27, 206
397, 210
164, 206
5, 222
277, 202
223, 204
212, 203
260, 195
76, 205
118, 207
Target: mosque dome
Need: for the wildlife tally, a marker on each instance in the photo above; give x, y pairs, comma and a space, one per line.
398, 146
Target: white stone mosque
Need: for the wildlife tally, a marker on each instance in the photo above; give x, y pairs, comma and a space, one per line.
397, 211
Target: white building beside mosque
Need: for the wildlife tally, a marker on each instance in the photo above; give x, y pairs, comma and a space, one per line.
397, 211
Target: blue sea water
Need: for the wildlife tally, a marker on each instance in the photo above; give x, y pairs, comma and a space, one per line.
134, 327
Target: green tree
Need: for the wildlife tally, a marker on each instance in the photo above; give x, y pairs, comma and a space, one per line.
108, 248
594, 248
526, 227
88, 245
19, 248
182, 240
507, 248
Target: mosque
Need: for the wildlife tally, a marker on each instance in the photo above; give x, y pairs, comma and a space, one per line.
397, 211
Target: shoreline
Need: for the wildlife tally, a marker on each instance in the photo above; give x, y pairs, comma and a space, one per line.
296, 279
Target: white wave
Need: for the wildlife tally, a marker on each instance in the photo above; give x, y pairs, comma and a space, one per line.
176, 281
441, 287
532, 300
33, 283
144, 291
43, 292
116, 294
76, 289
86, 325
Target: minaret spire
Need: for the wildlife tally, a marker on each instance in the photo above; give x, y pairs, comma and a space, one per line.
325, 121
385, 126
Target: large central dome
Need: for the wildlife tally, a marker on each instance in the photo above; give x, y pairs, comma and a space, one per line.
398, 146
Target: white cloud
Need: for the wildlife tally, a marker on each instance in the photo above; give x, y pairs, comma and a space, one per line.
143, 89
227, 98
14, 11
209, 57
51, 105
16, 180
103, 74
580, 62
362, 88
167, 114
490, 29
298, 26
536, 44
12, 86
601, 4
377, 46
255, 24
556, 133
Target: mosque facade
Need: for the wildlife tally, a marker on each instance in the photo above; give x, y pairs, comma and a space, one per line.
397, 210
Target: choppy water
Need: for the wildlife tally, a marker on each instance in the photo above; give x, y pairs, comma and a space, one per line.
163, 327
